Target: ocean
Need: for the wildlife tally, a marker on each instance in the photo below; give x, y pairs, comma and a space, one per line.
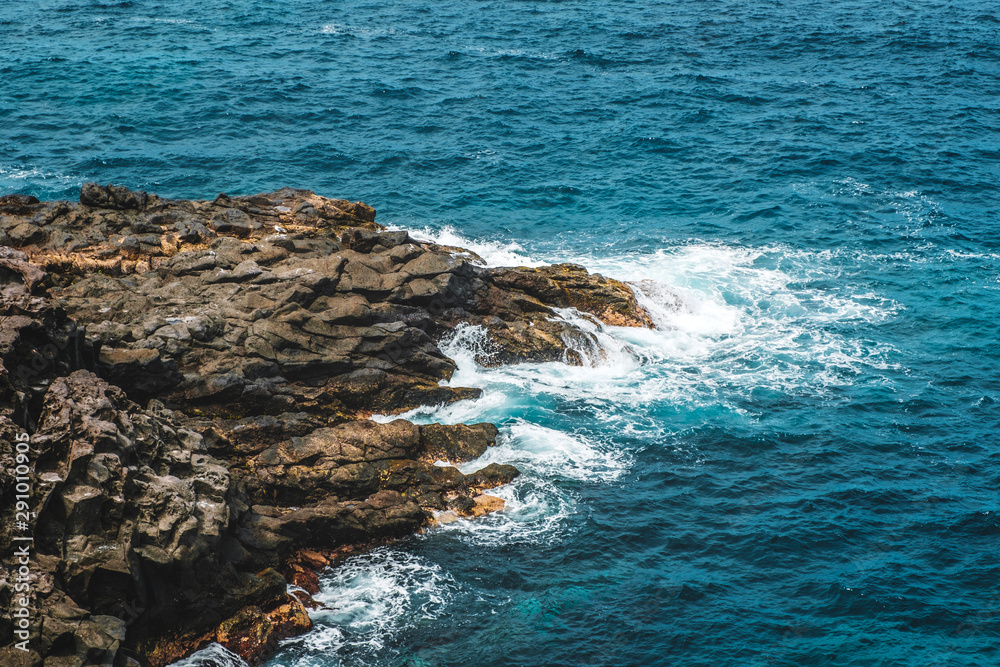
800, 466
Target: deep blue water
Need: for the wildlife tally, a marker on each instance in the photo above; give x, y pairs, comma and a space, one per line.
800, 468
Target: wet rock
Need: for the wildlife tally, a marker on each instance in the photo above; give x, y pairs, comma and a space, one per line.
250, 633
486, 504
313, 559
493, 475
289, 618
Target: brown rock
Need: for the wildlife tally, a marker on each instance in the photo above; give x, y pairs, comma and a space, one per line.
485, 504
456, 442
249, 634
313, 559
113, 197
304, 578
290, 618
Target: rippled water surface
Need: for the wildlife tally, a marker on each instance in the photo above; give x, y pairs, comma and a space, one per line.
799, 467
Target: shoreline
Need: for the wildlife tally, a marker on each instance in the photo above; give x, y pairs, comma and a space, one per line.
196, 379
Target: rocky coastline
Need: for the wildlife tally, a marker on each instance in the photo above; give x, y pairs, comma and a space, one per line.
195, 381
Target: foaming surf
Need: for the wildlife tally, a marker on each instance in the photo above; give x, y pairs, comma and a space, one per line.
773, 316
730, 321
14, 177
493, 253
367, 602
213, 655
535, 513
548, 453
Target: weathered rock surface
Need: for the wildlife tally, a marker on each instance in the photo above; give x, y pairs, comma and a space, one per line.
196, 380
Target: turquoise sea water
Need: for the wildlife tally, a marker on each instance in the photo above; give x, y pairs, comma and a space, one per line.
800, 467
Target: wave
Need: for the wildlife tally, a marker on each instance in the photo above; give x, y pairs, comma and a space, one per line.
357, 30
213, 655
367, 601
550, 454
535, 514
494, 253
772, 316
15, 173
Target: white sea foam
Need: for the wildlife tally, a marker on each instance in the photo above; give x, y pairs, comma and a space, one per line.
14, 173
596, 345
615, 374
373, 597
535, 513
730, 320
495, 253
550, 454
213, 655
357, 30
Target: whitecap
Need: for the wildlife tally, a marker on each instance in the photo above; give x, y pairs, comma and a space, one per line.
15, 173
373, 597
550, 454
494, 253
535, 513
356, 30
213, 655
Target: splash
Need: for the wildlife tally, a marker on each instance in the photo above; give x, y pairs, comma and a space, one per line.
367, 601
494, 253
550, 454
731, 321
213, 655
535, 513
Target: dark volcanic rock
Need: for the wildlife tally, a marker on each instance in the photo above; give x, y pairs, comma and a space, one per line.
196, 379
113, 196
359, 459
18, 205
137, 514
457, 443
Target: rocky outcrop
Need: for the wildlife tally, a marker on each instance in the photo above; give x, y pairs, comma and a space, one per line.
135, 518
196, 381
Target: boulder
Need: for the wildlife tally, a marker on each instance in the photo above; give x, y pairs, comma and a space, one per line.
457, 442
113, 197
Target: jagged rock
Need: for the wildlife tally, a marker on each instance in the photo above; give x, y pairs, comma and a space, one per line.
572, 286
196, 378
113, 196
361, 458
249, 633
486, 504
17, 204
458, 442
331, 262
332, 523
134, 511
289, 618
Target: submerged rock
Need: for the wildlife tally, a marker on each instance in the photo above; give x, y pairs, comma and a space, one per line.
196, 378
